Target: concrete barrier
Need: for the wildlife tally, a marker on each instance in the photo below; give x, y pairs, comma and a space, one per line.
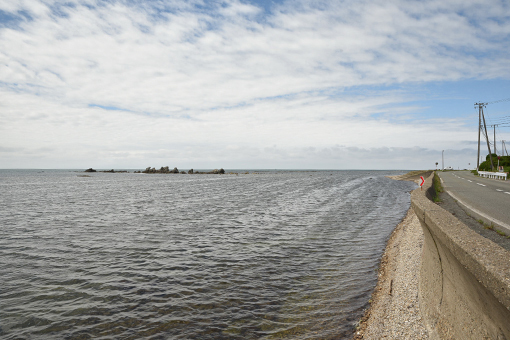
493, 175
464, 288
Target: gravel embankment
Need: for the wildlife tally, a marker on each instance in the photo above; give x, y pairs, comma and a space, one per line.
394, 311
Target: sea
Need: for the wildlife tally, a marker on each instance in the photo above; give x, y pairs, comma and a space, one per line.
252, 255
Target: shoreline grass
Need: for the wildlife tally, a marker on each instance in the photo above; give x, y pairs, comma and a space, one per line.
438, 188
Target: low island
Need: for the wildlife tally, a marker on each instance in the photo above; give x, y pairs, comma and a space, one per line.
162, 170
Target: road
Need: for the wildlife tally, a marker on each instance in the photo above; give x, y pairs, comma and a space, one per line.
487, 199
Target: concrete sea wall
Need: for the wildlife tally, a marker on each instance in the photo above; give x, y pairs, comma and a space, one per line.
464, 288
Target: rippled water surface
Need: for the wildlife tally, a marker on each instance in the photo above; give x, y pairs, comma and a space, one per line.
289, 255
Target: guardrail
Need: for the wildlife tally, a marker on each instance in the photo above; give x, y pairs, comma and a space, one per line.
464, 279
494, 175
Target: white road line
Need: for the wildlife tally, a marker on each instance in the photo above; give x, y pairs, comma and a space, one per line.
506, 192
499, 190
493, 220
481, 184
470, 181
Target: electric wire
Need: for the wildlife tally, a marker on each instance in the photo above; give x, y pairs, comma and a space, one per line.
498, 123
498, 101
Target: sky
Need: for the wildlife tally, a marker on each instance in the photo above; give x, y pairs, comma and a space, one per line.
251, 84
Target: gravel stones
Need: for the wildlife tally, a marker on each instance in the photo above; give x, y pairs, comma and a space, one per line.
394, 312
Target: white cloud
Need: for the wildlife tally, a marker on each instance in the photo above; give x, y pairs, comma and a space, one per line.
230, 78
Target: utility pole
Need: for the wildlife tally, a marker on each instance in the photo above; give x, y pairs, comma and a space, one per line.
495, 139
480, 106
443, 160
487, 138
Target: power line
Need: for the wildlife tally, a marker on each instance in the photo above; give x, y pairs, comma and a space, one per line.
502, 117
501, 120
498, 101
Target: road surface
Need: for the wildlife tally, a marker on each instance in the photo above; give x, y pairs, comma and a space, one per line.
487, 199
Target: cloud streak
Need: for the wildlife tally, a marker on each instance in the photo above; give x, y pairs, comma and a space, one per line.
126, 75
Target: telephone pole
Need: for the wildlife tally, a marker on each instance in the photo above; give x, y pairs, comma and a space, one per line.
495, 138
480, 106
487, 138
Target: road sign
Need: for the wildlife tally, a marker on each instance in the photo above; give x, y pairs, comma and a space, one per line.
422, 181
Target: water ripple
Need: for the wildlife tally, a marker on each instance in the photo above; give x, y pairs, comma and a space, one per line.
276, 255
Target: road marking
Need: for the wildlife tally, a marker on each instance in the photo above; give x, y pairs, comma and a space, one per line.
470, 181
481, 184
499, 190
493, 220
506, 192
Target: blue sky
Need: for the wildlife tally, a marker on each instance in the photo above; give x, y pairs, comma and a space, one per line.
365, 84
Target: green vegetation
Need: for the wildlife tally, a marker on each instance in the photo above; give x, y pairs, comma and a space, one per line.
504, 161
501, 233
493, 228
438, 188
474, 172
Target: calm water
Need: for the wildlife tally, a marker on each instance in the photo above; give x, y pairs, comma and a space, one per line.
289, 255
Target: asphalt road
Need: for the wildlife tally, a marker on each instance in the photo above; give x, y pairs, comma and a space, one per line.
487, 199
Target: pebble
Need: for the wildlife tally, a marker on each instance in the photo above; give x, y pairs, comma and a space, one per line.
394, 312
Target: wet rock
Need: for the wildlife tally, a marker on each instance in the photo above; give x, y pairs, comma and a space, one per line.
90, 170
149, 170
166, 170
112, 171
